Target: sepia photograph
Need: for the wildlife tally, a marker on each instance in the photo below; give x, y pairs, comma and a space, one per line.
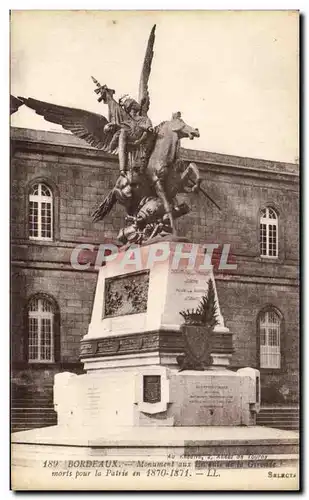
154, 223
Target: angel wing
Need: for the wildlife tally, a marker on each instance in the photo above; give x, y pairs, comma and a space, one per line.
105, 207
84, 124
14, 104
143, 94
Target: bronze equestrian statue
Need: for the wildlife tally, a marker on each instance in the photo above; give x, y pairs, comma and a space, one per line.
151, 172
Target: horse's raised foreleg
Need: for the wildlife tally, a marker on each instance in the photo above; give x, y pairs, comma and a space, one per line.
187, 180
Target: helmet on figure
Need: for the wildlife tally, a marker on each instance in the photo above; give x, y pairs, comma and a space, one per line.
128, 103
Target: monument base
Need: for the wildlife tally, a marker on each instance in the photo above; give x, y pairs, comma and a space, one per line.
165, 458
157, 396
150, 412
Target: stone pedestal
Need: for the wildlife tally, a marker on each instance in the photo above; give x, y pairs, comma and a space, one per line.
156, 396
137, 339
140, 294
133, 381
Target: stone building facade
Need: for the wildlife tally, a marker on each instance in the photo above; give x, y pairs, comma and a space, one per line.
57, 180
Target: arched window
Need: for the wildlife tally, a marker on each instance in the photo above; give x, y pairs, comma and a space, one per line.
40, 212
41, 330
269, 331
268, 232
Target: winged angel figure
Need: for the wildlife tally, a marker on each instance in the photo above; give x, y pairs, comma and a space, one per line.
151, 173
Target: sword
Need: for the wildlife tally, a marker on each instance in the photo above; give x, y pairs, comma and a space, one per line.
101, 89
204, 193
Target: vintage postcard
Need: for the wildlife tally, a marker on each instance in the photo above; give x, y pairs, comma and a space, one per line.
155, 251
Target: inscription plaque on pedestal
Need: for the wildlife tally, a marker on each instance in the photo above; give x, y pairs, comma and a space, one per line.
211, 399
151, 388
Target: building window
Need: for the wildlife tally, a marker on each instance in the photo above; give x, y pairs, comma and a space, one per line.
269, 327
41, 331
40, 212
269, 232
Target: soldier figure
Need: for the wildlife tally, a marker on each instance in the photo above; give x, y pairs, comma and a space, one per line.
134, 137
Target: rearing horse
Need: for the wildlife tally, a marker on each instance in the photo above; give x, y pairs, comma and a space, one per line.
161, 179
164, 156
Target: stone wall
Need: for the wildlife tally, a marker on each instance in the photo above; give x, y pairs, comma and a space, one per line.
80, 177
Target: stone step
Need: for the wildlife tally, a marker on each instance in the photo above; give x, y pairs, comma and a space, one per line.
279, 416
25, 397
278, 425
277, 419
283, 413
29, 397
32, 404
265, 421
31, 414
265, 418
27, 421
32, 424
31, 409
278, 410
35, 425
44, 418
284, 417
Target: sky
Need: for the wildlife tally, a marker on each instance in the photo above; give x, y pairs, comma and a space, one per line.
232, 74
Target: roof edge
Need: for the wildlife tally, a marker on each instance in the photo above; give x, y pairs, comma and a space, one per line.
68, 139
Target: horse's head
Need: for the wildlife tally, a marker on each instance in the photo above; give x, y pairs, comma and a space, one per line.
181, 128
